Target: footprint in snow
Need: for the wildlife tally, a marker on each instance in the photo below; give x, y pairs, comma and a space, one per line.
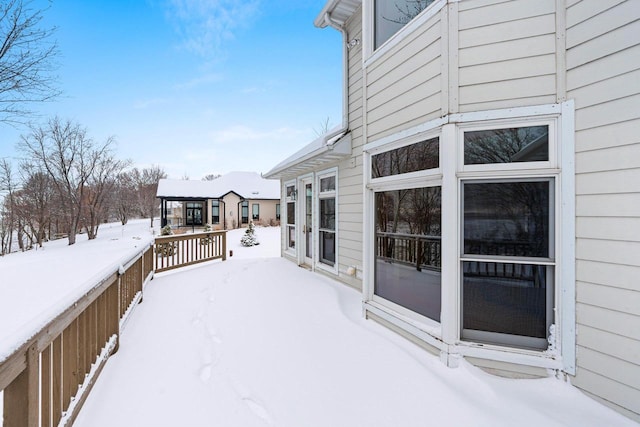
254, 406
258, 410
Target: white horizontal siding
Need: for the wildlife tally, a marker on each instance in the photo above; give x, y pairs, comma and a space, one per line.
603, 273
403, 85
349, 183
488, 15
603, 50
620, 347
608, 136
506, 54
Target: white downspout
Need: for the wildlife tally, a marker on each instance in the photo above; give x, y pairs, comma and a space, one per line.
345, 77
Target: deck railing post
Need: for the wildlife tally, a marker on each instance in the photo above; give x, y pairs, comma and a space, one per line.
21, 397
224, 246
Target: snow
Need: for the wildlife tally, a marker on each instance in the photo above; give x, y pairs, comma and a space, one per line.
37, 285
257, 341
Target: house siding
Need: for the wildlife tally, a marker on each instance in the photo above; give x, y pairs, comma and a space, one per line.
506, 54
603, 70
350, 170
403, 86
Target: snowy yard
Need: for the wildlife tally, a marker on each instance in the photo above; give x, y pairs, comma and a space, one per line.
258, 341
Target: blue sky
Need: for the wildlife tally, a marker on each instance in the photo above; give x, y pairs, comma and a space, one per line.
195, 86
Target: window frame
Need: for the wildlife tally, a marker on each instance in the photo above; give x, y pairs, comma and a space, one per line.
371, 54
419, 179
255, 213
244, 219
560, 167
322, 195
290, 227
217, 205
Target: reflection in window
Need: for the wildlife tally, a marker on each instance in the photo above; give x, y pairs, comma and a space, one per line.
392, 15
255, 213
522, 144
215, 211
507, 218
508, 300
291, 227
245, 212
278, 211
328, 231
328, 184
411, 158
408, 249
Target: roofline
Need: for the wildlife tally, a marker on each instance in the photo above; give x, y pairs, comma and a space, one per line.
325, 18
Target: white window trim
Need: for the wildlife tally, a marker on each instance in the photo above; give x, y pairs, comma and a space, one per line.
326, 194
561, 167
286, 200
371, 54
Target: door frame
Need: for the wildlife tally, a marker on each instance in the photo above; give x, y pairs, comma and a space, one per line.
302, 229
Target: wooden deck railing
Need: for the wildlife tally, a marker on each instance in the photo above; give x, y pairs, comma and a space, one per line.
411, 249
188, 249
46, 381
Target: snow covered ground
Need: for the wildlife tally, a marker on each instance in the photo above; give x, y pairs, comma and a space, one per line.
37, 285
258, 341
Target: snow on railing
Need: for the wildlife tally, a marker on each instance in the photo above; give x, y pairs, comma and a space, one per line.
187, 249
46, 381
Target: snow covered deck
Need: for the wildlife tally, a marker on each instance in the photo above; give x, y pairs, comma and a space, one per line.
257, 341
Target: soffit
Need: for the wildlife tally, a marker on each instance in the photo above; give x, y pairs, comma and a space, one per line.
339, 11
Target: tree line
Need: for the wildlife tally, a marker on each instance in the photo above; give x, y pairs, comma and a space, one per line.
67, 183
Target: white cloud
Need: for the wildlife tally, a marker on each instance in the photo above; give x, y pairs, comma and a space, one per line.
205, 25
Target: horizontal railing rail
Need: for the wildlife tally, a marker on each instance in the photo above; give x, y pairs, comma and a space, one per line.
417, 250
46, 380
188, 249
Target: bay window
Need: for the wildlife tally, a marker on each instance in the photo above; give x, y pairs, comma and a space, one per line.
470, 242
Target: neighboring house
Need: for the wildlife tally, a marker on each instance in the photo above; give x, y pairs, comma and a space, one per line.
483, 190
227, 202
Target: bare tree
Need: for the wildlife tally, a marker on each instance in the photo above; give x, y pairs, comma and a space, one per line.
125, 197
100, 186
69, 156
27, 60
323, 128
211, 177
7, 224
146, 184
35, 204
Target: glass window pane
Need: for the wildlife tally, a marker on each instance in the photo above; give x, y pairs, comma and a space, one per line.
510, 299
328, 184
416, 157
507, 219
408, 249
290, 190
291, 234
391, 16
328, 247
328, 214
523, 144
291, 213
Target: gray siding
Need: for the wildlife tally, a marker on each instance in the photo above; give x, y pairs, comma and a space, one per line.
507, 54
350, 171
603, 71
404, 85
